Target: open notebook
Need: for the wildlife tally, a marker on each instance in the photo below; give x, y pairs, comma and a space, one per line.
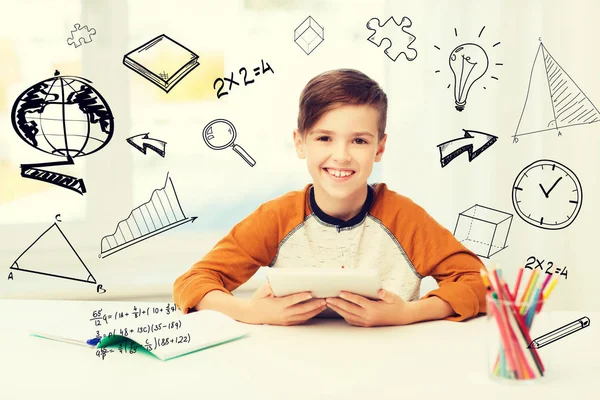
165, 336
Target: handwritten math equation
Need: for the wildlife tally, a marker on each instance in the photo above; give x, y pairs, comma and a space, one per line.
98, 316
243, 71
534, 263
123, 348
151, 344
148, 328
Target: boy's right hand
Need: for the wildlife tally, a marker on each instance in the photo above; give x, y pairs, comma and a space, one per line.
293, 309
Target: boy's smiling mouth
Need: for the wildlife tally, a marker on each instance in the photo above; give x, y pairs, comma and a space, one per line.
339, 173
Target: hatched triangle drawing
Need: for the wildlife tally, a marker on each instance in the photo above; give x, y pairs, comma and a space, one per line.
159, 214
69, 265
553, 99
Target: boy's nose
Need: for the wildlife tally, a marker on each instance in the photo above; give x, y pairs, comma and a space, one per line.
340, 153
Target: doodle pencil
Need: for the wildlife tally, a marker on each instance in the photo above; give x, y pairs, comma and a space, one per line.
560, 333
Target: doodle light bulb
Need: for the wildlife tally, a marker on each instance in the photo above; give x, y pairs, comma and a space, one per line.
468, 63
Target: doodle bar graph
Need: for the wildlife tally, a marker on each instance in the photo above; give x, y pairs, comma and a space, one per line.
161, 213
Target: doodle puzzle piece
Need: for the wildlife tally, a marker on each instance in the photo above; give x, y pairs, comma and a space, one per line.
81, 35
397, 36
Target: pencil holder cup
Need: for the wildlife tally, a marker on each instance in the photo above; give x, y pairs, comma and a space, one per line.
511, 356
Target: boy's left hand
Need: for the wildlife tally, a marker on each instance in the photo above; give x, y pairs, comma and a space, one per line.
357, 310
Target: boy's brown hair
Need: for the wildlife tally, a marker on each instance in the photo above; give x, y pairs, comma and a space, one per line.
332, 89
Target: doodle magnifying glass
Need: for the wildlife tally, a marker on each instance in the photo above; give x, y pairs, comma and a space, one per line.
220, 134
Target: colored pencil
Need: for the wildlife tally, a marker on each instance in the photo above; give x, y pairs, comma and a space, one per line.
503, 361
547, 293
514, 320
502, 352
486, 280
518, 282
541, 299
524, 330
512, 357
527, 295
550, 288
532, 308
504, 337
548, 277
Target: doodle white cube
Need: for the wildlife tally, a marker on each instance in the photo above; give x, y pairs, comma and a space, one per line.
309, 34
483, 230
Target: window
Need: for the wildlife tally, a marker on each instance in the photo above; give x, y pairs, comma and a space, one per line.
217, 186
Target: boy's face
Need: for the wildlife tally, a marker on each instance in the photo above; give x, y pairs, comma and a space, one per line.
340, 149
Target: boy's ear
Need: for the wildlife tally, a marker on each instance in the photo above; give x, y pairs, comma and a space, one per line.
299, 144
380, 148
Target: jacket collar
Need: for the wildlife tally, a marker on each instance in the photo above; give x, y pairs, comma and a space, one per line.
340, 223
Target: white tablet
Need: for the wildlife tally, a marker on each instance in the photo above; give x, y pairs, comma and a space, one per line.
324, 282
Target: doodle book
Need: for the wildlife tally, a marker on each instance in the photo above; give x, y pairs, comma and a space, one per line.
162, 61
164, 336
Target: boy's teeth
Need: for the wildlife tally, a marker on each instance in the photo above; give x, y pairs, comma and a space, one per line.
338, 173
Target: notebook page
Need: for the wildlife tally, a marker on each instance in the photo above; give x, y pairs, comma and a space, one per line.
178, 335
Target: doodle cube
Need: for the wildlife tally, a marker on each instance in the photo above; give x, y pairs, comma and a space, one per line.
483, 230
309, 34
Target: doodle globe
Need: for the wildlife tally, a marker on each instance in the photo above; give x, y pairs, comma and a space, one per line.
63, 116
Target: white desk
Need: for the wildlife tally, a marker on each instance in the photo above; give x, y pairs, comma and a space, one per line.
323, 359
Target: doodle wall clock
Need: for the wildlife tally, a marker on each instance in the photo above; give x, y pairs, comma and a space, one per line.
63, 116
547, 194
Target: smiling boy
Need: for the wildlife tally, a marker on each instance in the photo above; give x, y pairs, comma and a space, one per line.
339, 220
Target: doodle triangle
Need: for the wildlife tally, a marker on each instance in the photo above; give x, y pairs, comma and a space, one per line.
52, 254
553, 99
571, 105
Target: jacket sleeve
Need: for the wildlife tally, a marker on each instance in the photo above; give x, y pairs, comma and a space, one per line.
435, 252
250, 244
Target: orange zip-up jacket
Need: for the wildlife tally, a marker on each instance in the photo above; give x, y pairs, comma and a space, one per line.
391, 234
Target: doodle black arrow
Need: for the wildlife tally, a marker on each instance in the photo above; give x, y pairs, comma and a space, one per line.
142, 141
474, 142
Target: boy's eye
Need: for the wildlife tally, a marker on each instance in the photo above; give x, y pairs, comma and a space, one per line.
327, 138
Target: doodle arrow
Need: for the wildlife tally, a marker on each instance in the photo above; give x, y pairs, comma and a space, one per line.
142, 141
474, 142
